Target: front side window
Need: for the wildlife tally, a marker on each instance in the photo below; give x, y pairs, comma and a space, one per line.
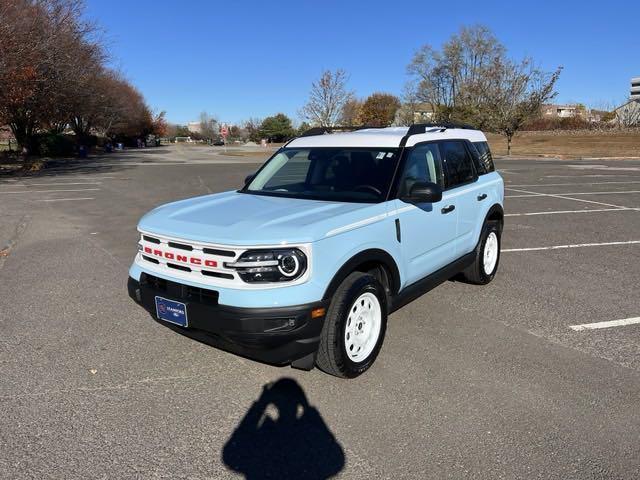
338, 174
423, 165
458, 163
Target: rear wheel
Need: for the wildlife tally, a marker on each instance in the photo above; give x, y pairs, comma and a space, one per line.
354, 327
485, 265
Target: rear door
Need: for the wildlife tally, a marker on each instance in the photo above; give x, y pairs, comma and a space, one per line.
427, 232
462, 192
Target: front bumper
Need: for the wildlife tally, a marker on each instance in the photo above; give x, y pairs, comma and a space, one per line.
275, 335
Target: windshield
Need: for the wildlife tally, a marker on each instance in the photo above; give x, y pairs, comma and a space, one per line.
340, 174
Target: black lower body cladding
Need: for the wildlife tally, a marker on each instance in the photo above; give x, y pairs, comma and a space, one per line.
276, 335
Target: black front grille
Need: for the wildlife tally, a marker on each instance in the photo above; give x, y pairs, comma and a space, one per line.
178, 267
178, 291
220, 253
151, 239
181, 246
209, 273
154, 282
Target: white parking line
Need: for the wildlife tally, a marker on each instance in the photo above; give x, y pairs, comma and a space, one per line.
572, 184
597, 175
611, 323
570, 211
557, 195
65, 199
51, 191
571, 193
53, 184
79, 176
575, 245
605, 167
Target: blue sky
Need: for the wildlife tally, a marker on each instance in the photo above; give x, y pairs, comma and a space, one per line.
252, 59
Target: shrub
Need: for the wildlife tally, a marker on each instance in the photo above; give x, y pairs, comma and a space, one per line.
54, 145
557, 123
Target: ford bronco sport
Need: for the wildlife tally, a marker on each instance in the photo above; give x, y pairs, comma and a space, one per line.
334, 232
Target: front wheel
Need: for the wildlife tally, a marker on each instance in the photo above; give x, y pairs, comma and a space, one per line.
354, 327
485, 265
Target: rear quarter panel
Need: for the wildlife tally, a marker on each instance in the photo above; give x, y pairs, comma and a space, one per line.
494, 186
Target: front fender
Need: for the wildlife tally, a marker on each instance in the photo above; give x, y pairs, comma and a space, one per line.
341, 254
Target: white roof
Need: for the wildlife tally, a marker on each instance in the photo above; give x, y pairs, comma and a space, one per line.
385, 137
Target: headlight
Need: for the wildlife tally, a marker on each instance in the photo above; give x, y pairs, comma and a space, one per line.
278, 265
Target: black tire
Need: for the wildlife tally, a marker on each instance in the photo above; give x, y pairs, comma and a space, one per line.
332, 356
475, 273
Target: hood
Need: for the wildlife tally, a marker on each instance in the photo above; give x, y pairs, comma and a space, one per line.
233, 218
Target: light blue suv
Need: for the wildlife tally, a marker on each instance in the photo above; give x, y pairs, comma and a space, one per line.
334, 232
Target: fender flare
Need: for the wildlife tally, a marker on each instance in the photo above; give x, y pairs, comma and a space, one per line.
372, 255
495, 210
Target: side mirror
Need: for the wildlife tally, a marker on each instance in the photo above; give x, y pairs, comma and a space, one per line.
424, 192
248, 178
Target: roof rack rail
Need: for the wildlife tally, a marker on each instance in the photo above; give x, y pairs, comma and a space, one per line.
418, 128
344, 128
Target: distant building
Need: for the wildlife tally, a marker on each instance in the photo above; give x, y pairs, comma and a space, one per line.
410, 113
194, 127
570, 111
596, 115
423, 113
562, 111
634, 93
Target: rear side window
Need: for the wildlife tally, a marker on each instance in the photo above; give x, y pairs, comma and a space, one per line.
485, 160
459, 166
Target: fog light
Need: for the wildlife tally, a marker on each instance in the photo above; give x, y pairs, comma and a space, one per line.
279, 324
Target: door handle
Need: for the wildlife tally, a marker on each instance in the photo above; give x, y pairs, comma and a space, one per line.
448, 208
482, 197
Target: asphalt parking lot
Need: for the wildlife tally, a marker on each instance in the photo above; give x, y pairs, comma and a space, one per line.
501, 381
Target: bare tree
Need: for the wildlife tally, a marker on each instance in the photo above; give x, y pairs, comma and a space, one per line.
517, 92
208, 125
53, 75
471, 79
453, 79
327, 98
128, 115
96, 106
628, 115
433, 81
251, 129
406, 114
46, 51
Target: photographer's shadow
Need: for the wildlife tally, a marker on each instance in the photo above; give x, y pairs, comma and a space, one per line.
282, 437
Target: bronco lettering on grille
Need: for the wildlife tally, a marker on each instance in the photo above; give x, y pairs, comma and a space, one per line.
180, 258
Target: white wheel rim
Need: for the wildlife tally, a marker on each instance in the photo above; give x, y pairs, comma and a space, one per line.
363, 327
490, 256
